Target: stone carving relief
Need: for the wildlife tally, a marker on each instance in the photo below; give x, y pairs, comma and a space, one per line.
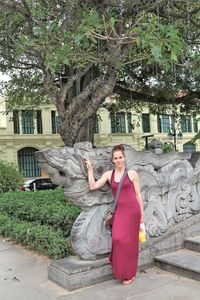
170, 188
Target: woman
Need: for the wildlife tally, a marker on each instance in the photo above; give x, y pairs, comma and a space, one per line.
128, 215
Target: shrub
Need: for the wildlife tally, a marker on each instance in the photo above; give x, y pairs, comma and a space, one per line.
167, 147
39, 220
40, 238
9, 177
42, 207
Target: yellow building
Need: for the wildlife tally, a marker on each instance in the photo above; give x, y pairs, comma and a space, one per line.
132, 128
24, 132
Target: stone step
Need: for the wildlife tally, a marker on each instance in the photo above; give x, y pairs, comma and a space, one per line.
183, 262
193, 243
74, 273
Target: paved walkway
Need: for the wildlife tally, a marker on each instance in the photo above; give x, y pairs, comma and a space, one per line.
23, 276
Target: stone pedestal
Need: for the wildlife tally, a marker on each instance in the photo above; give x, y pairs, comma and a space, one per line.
74, 273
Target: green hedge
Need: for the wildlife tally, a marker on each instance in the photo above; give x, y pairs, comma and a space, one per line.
40, 238
43, 207
40, 220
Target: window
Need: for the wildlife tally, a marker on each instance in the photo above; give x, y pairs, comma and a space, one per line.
195, 124
55, 121
119, 124
146, 123
27, 118
39, 121
129, 120
186, 124
27, 163
96, 129
163, 123
16, 127
27, 122
173, 122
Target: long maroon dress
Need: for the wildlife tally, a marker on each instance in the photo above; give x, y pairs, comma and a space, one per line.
125, 231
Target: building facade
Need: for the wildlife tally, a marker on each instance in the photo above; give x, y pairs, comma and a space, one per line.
138, 130
22, 132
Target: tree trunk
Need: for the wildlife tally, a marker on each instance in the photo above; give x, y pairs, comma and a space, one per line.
78, 120
87, 131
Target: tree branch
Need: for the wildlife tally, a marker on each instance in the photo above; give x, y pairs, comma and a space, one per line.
135, 60
22, 65
101, 92
50, 89
65, 87
192, 98
12, 66
80, 100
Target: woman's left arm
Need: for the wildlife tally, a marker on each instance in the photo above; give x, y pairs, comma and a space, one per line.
135, 179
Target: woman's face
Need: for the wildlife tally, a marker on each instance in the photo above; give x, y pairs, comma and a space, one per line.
118, 159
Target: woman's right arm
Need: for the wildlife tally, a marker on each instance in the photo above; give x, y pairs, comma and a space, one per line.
93, 184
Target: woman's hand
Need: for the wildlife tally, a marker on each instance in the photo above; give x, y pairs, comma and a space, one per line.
95, 184
88, 163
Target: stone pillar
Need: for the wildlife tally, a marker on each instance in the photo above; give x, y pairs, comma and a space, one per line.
155, 146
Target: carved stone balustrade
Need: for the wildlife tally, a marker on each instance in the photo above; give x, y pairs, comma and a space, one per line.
170, 188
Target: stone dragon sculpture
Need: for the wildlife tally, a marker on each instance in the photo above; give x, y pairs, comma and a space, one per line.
170, 189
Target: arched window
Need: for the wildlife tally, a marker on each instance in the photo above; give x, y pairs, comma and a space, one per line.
189, 147
27, 163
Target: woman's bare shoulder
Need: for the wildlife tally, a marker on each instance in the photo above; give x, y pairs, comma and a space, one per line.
132, 174
108, 175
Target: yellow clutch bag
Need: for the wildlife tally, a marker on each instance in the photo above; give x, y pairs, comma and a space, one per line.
142, 234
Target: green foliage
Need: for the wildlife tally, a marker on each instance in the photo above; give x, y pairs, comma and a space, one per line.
39, 220
40, 238
25, 90
10, 177
57, 49
87, 33
42, 207
167, 147
158, 41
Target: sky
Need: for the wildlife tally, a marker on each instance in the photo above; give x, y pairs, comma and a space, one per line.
3, 77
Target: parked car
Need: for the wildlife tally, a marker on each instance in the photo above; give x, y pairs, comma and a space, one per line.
38, 183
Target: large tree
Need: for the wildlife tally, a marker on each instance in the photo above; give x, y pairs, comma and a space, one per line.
76, 53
